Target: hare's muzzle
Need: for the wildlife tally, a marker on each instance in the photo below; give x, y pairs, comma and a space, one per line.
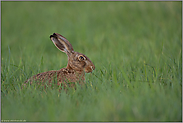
93, 67
90, 68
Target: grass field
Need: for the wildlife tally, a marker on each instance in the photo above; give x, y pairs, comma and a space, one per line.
136, 48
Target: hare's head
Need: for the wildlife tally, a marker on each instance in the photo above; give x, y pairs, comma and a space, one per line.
76, 61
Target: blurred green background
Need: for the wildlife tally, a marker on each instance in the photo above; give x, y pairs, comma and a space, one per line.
135, 46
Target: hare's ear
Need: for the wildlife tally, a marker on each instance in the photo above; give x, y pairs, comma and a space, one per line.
62, 43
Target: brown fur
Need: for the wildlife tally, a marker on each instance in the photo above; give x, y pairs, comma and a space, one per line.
77, 65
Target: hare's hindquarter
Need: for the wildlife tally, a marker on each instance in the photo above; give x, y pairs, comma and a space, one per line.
63, 75
42, 77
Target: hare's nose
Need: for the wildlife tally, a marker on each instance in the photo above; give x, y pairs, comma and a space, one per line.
93, 68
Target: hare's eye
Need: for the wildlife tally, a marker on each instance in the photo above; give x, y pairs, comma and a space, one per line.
81, 58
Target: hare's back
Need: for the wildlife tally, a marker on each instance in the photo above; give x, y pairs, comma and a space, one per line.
45, 76
63, 75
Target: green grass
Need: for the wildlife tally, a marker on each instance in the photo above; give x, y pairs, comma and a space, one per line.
135, 46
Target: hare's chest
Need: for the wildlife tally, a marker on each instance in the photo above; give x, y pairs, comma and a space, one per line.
66, 75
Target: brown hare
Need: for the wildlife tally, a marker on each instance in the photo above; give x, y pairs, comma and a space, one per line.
77, 65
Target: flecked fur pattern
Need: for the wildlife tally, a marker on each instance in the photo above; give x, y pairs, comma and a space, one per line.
78, 64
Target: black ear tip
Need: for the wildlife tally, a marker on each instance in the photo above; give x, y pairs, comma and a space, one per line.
53, 35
